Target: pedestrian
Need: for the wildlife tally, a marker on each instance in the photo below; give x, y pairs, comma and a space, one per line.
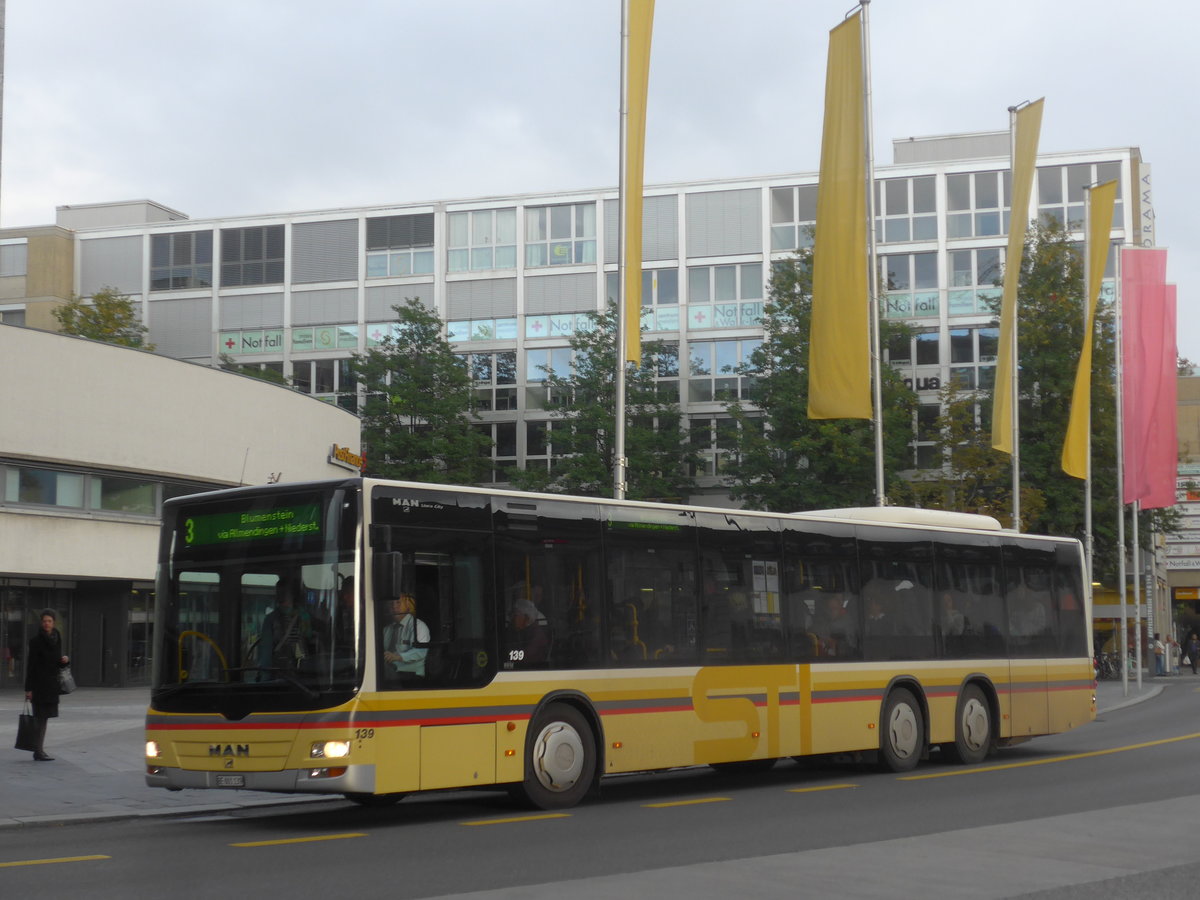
1193, 650
1160, 655
42, 664
1173, 654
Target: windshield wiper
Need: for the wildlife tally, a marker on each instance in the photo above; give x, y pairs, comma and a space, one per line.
284, 675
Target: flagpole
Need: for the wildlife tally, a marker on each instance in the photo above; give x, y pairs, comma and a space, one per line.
1119, 304
872, 259
1088, 287
1014, 396
1137, 593
619, 461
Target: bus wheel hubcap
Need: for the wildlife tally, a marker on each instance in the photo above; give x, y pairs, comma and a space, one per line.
902, 730
975, 724
558, 756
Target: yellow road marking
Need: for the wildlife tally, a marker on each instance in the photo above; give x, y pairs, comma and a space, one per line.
46, 862
685, 802
824, 787
1054, 759
518, 819
302, 840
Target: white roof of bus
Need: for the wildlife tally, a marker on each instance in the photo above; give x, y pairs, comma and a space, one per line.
910, 516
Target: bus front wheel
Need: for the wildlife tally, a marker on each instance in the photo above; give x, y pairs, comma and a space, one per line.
903, 732
560, 760
972, 727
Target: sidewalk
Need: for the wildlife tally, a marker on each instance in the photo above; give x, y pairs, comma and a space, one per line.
98, 769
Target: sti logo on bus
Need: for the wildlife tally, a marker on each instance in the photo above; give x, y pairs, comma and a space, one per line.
228, 750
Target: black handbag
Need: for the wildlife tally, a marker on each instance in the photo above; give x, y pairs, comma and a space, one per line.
66, 681
26, 731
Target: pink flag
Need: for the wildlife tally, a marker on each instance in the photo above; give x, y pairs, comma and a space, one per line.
1162, 445
1148, 335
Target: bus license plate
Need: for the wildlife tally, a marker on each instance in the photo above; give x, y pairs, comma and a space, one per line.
231, 781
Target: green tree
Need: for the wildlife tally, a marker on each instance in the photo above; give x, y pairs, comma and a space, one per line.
975, 478
229, 364
583, 430
108, 315
784, 460
418, 418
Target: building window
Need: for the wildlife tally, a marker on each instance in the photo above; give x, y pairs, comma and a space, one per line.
973, 357
714, 369
400, 245
907, 209
793, 216
1062, 192
481, 330
926, 452
481, 239
560, 235
660, 298
974, 280
327, 379
714, 439
977, 204
251, 256
181, 261
495, 377
503, 452
14, 258
540, 364
80, 491
912, 285
725, 296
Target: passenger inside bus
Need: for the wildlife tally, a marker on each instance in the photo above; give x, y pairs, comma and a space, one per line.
288, 634
405, 640
531, 632
834, 625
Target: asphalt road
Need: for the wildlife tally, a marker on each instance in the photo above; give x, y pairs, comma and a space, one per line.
1107, 809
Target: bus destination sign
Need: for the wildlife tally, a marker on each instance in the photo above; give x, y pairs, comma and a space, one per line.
252, 525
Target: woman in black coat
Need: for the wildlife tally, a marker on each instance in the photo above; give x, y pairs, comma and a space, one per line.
42, 664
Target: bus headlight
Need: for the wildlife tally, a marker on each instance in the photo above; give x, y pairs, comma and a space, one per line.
329, 750
151, 749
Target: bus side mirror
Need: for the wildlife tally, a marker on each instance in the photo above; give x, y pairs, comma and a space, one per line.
387, 574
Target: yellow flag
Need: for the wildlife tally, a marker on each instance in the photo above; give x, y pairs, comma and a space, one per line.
839, 351
640, 22
1024, 164
1077, 446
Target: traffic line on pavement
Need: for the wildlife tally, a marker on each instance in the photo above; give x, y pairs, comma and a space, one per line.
301, 840
47, 862
823, 787
1053, 759
686, 802
513, 819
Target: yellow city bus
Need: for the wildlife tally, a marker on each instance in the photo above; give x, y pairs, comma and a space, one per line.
373, 638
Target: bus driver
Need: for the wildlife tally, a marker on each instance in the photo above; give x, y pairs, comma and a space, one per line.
405, 639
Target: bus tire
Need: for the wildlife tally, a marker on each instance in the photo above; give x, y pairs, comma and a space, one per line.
560, 758
375, 801
972, 727
902, 737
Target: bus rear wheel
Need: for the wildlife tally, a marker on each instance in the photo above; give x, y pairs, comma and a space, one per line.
903, 732
972, 727
560, 758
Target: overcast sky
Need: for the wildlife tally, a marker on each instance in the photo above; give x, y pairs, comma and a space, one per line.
232, 107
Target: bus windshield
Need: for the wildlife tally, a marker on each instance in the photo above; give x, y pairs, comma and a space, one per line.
256, 605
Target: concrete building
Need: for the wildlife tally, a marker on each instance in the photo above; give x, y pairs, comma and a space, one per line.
94, 438
512, 277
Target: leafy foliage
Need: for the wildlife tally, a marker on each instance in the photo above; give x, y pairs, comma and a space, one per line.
584, 402
108, 315
417, 419
785, 461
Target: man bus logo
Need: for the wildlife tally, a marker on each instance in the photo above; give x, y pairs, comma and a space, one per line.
228, 750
